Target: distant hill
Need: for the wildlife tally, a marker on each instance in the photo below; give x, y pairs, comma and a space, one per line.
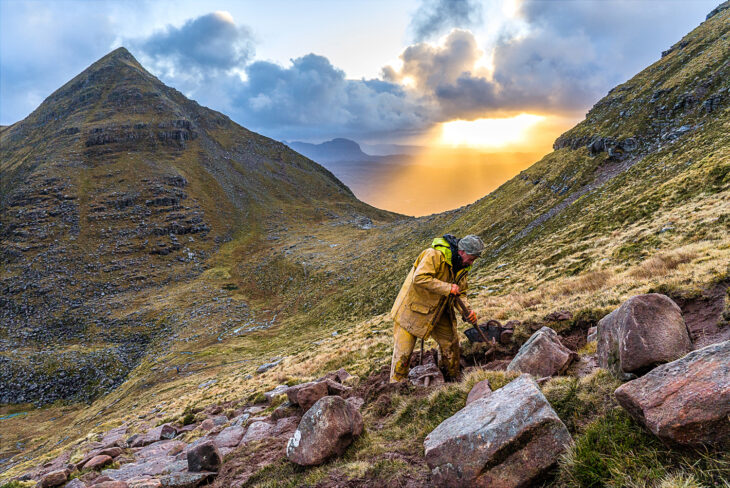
332, 151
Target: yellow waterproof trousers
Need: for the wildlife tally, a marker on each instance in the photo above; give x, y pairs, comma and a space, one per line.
403, 343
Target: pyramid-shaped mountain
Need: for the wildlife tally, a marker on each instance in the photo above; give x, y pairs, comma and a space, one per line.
117, 184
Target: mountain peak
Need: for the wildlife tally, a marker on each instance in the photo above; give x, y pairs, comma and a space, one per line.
120, 54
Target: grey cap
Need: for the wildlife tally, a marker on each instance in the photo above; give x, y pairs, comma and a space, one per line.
471, 245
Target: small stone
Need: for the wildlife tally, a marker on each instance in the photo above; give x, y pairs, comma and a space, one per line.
479, 390
54, 478
98, 462
229, 437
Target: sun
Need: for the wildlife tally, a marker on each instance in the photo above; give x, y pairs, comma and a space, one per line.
488, 133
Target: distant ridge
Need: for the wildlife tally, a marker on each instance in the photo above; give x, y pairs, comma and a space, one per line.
338, 149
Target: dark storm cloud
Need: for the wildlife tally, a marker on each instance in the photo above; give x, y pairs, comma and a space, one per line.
206, 44
435, 17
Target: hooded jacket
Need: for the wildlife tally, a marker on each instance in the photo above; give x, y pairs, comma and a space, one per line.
424, 298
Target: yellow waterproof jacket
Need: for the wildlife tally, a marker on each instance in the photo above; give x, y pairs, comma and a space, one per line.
424, 297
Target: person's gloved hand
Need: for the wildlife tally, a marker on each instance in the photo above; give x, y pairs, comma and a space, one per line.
471, 317
455, 289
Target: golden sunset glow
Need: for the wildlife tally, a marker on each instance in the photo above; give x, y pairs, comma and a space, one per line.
488, 133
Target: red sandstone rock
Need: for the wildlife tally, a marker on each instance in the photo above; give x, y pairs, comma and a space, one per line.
479, 390
686, 401
306, 394
326, 429
645, 331
98, 462
542, 355
204, 457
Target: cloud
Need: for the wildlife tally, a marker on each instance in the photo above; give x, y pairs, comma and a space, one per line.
203, 46
565, 56
312, 97
435, 17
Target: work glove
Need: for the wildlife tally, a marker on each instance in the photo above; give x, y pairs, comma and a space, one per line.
455, 290
471, 317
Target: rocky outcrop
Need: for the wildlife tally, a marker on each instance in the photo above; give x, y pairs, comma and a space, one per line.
686, 401
645, 331
324, 431
542, 355
506, 439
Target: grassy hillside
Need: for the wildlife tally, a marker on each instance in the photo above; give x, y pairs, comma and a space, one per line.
293, 268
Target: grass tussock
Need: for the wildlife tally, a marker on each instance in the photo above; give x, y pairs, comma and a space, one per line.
662, 264
588, 282
614, 451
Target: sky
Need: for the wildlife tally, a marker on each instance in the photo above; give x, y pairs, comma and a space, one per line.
494, 75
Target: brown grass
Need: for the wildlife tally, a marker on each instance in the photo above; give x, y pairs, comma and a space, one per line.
662, 264
588, 282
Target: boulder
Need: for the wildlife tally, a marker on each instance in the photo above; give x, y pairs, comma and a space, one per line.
306, 394
506, 439
325, 431
98, 462
686, 401
285, 427
54, 478
229, 437
645, 331
204, 457
257, 431
424, 373
542, 355
479, 390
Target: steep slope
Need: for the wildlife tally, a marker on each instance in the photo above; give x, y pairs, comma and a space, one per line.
117, 184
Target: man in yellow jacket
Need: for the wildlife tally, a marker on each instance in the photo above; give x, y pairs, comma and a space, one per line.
425, 304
